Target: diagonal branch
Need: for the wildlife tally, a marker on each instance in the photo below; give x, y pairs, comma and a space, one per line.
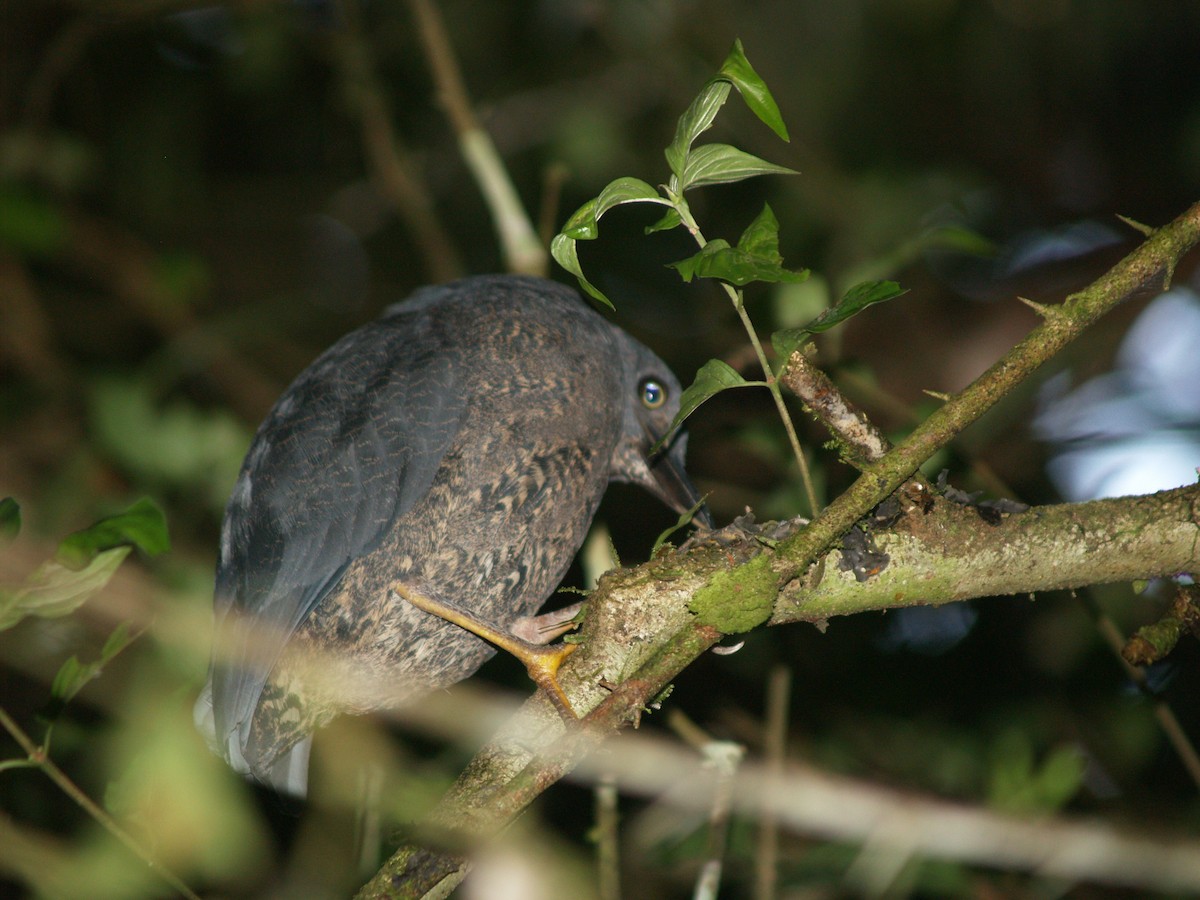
641, 632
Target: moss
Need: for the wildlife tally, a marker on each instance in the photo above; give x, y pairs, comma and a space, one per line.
738, 600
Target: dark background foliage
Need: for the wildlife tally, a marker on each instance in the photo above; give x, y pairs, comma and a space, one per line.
188, 215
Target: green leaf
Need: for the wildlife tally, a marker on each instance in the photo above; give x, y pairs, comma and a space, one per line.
737, 72
719, 260
853, 302
584, 225
142, 525
68, 680
683, 520
723, 164
714, 376
625, 190
117, 641
696, 119
753, 89
176, 445
755, 258
761, 237
671, 220
10, 520
562, 248
73, 674
54, 590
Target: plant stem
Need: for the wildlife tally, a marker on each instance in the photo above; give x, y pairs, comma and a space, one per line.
37, 758
735, 296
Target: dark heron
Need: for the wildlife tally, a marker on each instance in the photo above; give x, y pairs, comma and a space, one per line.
418, 492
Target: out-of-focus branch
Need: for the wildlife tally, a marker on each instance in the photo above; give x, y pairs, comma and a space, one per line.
523, 252
38, 759
386, 156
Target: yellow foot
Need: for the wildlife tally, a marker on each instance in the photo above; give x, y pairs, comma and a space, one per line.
541, 662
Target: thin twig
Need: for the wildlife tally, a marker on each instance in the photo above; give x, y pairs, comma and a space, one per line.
386, 156
735, 296
766, 856
522, 250
1167, 720
608, 861
38, 758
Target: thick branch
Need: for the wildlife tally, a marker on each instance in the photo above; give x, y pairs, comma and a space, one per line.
951, 553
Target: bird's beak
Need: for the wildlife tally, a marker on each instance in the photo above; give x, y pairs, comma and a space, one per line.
672, 485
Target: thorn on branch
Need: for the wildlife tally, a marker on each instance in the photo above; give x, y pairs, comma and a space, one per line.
1136, 225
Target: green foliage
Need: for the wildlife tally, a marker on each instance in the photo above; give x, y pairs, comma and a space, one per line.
178, 445
84, 563
54, 590
691, 167
712, 378
143, 525
73, 674
755, 258
10, 520
684, 518
30, 225
1020, 784
853, 302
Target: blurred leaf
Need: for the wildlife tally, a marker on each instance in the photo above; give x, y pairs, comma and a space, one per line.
853, 302
73, 675
178, 445
1018, 784
712, 378
954, 238
182, 277
10, 520
696, 119
30, 225
794, 304
143, 525
69, 679
753, 89
55, 590
724, 164
177, 798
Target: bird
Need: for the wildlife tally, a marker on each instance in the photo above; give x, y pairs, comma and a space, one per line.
413, 498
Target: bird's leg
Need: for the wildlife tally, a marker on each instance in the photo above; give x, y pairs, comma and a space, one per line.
541, 662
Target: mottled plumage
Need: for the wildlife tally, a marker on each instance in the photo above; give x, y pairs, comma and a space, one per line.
459, 445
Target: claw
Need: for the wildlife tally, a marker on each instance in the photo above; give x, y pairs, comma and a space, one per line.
541, 662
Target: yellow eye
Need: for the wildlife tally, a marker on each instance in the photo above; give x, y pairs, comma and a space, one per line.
653, 393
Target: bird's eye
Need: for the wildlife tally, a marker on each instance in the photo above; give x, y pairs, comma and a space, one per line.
653, 393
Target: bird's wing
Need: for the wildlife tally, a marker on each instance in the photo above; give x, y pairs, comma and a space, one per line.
353, 443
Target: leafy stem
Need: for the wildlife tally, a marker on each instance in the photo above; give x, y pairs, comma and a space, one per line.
680, 205
36, 757
754, 258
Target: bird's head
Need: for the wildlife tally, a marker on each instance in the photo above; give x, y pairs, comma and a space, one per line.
650, 402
